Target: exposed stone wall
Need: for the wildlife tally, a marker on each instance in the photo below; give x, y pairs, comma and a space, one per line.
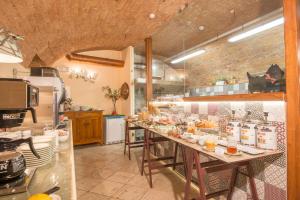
225, 60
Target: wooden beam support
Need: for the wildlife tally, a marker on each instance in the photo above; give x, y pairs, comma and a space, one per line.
292, 56
148, 50
97, 60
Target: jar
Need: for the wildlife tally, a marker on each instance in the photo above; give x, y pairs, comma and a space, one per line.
233, 128
248, 134
267, 135
248, 131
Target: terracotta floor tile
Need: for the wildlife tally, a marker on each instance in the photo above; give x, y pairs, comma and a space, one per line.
107, 188
80, 192
139, 181
103, 172
121, 177
93, 196
129, 192
86, 183
154, 194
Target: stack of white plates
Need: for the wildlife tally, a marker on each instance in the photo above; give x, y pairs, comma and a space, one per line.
51, 140
43, 149
16, 135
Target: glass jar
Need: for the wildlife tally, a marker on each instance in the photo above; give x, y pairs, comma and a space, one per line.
248, 131
233, 128
231, 145
266, 135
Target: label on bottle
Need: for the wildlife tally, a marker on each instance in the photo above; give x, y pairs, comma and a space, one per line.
267, 137
248, 134
234, 129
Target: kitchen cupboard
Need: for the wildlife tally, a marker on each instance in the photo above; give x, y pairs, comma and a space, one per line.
87, 126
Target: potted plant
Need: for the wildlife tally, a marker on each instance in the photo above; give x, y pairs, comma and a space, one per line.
114, 95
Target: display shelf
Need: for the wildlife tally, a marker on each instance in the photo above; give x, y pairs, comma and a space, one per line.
274, 96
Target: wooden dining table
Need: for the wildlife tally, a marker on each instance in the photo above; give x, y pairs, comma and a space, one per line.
218, 162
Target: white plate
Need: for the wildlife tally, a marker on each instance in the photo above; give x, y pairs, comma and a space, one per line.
37, 146
37, 150
42, 140
34, 158
36, 163
42, 155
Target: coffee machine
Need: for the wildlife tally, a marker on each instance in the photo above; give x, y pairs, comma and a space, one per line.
17, 97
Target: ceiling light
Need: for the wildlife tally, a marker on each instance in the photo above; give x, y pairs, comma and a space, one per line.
182, 76
201, 28
256, 30
191, 55
9, 50
151, 16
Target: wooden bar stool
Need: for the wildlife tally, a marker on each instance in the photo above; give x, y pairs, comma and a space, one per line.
153, 163
127, 139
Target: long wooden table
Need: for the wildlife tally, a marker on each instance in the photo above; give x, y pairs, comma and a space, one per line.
191, 159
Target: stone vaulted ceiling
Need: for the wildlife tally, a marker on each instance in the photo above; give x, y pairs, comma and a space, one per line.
53, 28
216, 16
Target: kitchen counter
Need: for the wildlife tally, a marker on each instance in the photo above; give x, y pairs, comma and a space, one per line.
60, 172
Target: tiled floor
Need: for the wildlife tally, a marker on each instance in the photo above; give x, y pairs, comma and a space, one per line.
103, 172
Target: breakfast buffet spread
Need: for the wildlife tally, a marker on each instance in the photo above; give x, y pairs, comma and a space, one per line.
245, 135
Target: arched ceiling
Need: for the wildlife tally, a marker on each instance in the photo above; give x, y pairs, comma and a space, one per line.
216, 16
53, 28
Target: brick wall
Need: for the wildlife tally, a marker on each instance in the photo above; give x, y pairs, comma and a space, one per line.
224, 59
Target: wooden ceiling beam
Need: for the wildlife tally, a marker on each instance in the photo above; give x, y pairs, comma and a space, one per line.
97, 60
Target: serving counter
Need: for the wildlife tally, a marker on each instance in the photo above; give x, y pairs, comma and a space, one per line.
59, 172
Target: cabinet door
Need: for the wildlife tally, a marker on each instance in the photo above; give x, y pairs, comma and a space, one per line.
88, 130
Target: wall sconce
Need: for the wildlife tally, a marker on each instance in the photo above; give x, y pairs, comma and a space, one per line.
83, 74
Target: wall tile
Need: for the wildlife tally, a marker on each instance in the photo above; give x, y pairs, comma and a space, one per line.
276, 111
276, 176
260, 188
187, 108
212, 108
259, 169
203, 108
278, 160
256, 110
224, 109
239, 108
195, 108
239, 194
274, 193
241, 182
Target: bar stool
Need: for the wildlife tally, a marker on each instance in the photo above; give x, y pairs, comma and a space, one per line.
127, 142
151, 141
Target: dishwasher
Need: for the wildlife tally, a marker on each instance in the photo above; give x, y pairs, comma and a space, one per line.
114, 129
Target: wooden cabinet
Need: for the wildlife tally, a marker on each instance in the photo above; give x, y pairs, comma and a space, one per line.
87, 126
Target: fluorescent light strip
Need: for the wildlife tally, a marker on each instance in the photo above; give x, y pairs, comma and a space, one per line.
180, 59
256, 30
